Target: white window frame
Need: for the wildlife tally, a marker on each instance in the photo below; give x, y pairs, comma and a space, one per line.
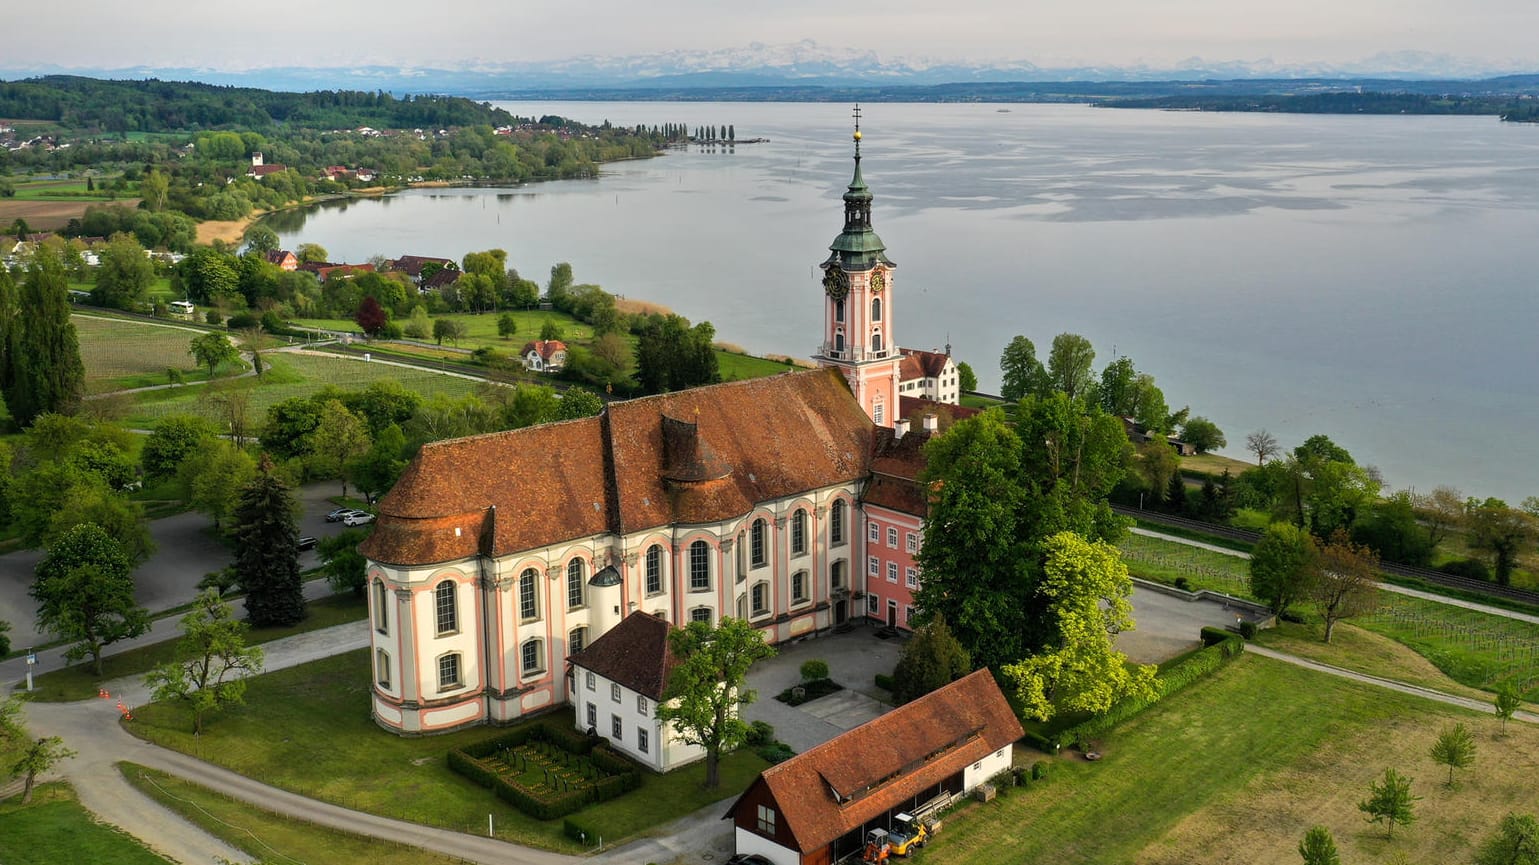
382, 668
381, 607
911, 543
836, 520
529, 595
617, 727
641, 739
758, 543
766, 821
873, 566
892, 537
695, 615
590, 680
446, 609
577, 640
801, 590
642, 708
873, 532
576, 589
654, 584
614, 692
892, 572
799, 532
534, 646
458, 679
911, 578
759, 592
700, 567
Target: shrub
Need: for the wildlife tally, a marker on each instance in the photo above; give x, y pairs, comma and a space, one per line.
759, 733
1473, 569
391, 330
212, 316
814, 669
884, 682
1213, 636
1021, 774
775, 752
274, 324
1040, 742
242, 321
1247, 629
1039, 770
1183, 584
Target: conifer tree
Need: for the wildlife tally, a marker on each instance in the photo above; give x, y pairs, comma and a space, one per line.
267, 550
46, 374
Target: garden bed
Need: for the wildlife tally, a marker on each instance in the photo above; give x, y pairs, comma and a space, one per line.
547, 771
806, 692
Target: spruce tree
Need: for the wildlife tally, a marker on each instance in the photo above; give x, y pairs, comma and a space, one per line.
267, 550
46, 374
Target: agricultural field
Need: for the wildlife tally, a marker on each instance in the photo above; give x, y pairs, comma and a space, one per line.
294, 374
1224, 772
120, 354
47, 205
1166, 561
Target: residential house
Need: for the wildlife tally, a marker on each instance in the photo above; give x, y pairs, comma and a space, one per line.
544, 355
929, 375
414, 265
815, 808
283, 259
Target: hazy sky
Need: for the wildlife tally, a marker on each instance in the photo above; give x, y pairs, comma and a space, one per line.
229, 35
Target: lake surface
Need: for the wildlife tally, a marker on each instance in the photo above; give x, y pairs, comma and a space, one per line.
1363, 277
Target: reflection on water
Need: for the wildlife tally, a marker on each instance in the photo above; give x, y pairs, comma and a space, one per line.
1360, 277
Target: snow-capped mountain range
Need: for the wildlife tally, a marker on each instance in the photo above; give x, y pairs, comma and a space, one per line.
805, 63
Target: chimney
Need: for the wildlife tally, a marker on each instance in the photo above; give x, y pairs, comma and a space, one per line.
900, 428
931, 423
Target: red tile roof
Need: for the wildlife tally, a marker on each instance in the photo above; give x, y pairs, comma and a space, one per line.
916, 407
929, 364
776, 436
895, 468
883, 764
412, 264
634, 653
545, 348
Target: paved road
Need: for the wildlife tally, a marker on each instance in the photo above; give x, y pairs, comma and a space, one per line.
186, 550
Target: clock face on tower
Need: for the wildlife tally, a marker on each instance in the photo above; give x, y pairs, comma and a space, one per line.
878, 282
836, 282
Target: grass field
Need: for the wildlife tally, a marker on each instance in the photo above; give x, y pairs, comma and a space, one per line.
267, 836
80, 683
274, 737
1165, 561
120, 354
54, 828
734, 367
290, 375
1237, 767
1214, 464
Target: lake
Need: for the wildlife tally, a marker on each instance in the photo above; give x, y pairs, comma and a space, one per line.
1361, 277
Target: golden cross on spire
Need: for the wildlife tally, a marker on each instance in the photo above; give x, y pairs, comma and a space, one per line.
857, 131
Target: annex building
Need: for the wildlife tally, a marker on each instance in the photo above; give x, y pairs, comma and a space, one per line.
787, 501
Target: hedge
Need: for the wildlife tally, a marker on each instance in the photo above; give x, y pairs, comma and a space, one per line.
1213, 636
1194, 667
884, 682
622, 775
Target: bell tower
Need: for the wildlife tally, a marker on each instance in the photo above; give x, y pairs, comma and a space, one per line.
858, 305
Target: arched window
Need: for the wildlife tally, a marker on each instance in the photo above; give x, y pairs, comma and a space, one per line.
449, 671
839, 341
532, 655
444, 603
742, 606
699, 566
700, 614
839, 310
799, 533
759, 554
742, 556
836, 522
876, 341
759, 595
382, 668
799, 587
655, 569
574, 584
876, 309
528, 594
576, 640
381, 607
836, 574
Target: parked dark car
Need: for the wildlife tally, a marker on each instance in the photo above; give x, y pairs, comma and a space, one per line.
337, 515
307, 542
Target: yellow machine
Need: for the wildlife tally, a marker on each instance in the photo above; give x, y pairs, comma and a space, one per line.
908, 834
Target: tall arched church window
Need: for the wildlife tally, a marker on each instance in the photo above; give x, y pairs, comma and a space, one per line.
876, 309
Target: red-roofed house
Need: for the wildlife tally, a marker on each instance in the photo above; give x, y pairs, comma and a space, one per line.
929, 375
617, 682
284, 259
544, 355
815, 808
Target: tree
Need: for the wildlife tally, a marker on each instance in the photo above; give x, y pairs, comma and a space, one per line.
417, 324
371, 317
1022, 373
671, 355
1506, 704
5, 639
124, 274
1073, 455
1516, 842
1390, 802
560, 282
1344, 584
1320, 449
967, 380
378, 469
706, 687
507, 325
1158, 463
171, 440
212, 661
578, 402
1281, 565
46, 373
931, 659
153, 188
212, 477
1391, 526
1203, 434
213, 349
1440, 512
550, 330
448, 329
1087, 589
38, 757
340, 437
1263, 444
346, 570
1069, 364
261, 239
1115, 392
1454, 748
311, 253
85, 594
1499, 530
266, 551
1319, 848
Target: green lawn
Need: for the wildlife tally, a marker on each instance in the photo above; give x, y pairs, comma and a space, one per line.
80, 682
292, 375
1240, 765
267, 836
67, 190
277, 738
481, 330
54, 828
733, 366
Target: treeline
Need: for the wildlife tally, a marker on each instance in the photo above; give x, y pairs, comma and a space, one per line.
1339, 103
79, 103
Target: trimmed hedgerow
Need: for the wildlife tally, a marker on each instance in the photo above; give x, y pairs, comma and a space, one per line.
1213, 636
483, 763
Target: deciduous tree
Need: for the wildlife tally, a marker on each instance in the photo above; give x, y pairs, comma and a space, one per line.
1390, 802
340, 437
706, 687
266, 551
42, 754
1282, 565
1021, 372
507, 325
85, 594
671, 355
212, 661
1203, 434
1516, 842
967, 380
1344, 584
311, 253
1440, 512
212, 349
1506, 703
1069, 364
1263, 444
931, 659
1499, 530
1454, 748
371, 317
212, 477
1083, 595
1319, 848
346, 570
261, 239
448, 329
578, 402
123, 275
171, 440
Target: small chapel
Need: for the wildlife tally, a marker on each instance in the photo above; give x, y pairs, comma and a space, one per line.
790, 502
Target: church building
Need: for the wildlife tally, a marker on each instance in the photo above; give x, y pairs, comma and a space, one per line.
788, 501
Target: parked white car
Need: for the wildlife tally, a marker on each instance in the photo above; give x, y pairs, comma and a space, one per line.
357, 518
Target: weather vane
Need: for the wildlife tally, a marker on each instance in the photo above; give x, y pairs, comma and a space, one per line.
857, 130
